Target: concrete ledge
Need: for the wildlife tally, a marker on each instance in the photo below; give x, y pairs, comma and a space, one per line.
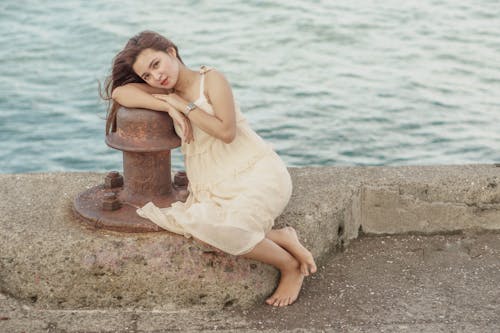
431, 200
51, 258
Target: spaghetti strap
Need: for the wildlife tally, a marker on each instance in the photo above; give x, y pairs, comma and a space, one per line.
203, 69
202, 87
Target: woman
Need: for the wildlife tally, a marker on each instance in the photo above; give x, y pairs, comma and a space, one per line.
237, 184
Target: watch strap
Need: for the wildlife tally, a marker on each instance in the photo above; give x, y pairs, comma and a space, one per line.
190, 107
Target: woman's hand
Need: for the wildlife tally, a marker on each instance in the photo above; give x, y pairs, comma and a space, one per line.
184, 123
173, 99
179, 119
221, 123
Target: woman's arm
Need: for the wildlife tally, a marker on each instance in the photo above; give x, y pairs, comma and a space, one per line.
222, 124
138, 95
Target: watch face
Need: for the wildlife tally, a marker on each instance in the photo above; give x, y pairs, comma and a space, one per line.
190, 107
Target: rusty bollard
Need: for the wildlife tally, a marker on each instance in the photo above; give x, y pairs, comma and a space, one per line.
145, 137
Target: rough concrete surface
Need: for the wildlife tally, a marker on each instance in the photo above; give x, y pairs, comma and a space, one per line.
58, 266
51, 257
48, 255
402, 283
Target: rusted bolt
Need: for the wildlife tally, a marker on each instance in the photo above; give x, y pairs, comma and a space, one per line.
113, 180
180, 179
110, 202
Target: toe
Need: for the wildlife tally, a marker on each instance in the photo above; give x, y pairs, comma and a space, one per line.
276, 302
284, 302
304, 270
270, 300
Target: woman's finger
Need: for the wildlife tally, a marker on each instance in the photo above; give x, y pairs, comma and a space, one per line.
186, 133
184, 129
190, 131
160, 96
191, 134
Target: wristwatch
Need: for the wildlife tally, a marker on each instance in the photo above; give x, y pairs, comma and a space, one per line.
190, 107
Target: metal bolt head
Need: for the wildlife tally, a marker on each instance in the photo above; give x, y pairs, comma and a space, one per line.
110, 202
113, 180
109, 196
180, 179
113, 174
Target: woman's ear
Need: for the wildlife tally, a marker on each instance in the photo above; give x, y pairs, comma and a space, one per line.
171, 51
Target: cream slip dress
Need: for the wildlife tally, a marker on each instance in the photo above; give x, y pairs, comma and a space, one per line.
236, 190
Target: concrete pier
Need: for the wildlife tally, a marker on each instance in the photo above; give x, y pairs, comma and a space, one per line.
52, 263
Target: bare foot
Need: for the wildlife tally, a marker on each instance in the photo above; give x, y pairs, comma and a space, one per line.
289, 287
293, 245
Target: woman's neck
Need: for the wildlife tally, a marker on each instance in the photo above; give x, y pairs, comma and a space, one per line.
186, 79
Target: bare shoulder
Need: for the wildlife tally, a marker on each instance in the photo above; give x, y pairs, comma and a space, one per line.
216, 81
218, 90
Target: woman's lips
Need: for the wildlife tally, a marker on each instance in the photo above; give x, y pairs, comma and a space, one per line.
164, 82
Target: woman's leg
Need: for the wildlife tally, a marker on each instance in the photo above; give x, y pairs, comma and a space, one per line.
287, 239
291, 278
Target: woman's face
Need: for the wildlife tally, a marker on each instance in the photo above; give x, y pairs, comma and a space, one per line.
157, 68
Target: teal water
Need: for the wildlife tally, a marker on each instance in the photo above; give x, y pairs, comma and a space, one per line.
326, 82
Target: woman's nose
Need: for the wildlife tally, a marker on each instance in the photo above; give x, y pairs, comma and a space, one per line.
157, 76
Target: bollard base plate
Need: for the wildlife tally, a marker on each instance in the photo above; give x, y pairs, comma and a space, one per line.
89, 210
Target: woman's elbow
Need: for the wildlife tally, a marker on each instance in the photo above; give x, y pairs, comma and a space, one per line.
114, 93
228, 136
120, 92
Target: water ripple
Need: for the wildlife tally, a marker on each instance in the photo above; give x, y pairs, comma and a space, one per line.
343, 83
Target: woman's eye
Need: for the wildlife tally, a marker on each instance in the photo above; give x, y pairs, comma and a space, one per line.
146, 77
155, 65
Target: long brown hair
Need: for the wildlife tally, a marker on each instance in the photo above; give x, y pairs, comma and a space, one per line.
122, 72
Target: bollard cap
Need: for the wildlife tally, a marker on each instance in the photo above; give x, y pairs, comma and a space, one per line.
141, 130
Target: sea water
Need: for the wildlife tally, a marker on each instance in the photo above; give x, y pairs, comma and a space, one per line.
325, 82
